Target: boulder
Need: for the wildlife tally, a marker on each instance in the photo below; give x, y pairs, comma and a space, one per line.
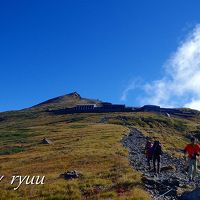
70, 175
194, 195
46, 141
149, 181
168, 168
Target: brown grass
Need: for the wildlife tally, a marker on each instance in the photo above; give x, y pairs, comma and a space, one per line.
84, 145
81, 143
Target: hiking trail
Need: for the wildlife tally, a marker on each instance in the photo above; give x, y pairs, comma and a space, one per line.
172, 176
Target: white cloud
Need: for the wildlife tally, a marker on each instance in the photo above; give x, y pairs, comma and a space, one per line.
193, 104
125, 93
132, 86
180, 85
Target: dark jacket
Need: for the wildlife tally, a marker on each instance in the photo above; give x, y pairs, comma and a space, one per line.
156, 149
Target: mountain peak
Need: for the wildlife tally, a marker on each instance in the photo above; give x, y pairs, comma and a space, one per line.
65, 101
74, 95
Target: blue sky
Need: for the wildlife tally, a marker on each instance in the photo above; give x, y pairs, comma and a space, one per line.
111, 50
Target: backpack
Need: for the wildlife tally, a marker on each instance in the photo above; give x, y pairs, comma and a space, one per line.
148, 149
157, 149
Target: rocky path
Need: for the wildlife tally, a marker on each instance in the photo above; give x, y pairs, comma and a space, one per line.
172, 176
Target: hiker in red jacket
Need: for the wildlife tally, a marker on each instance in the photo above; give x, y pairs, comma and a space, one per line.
193, 150
148, 152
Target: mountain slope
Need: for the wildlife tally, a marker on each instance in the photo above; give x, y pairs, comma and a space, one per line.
65, 101
87, 142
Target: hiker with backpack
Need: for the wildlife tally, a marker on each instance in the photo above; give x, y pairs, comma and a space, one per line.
156, 155
148, 152
193, 150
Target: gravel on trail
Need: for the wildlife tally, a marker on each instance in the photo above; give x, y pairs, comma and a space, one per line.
165, 185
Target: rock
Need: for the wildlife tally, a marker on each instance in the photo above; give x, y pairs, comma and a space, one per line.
194, 195
175, 182
71, 175
168, 168
148, 181
2, 119
46, 141
172, 182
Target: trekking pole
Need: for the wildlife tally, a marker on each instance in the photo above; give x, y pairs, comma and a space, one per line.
164, 194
